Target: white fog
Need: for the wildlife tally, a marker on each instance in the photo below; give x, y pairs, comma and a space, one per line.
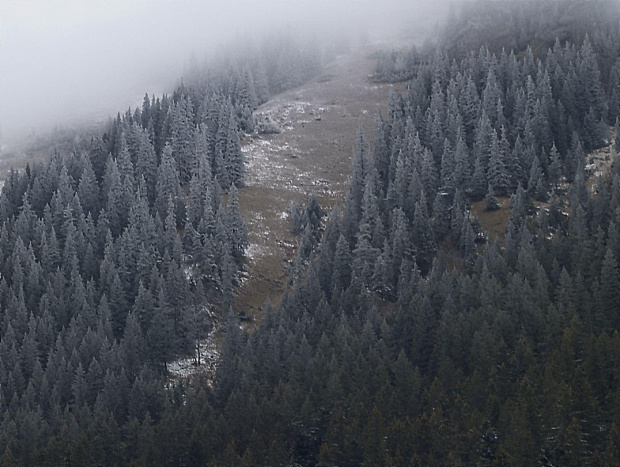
63, 61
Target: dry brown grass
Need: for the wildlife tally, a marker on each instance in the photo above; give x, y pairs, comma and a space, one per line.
493, 222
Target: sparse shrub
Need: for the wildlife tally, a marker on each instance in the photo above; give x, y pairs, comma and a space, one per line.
268, 127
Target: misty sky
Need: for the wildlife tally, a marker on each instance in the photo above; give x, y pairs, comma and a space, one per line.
66, 59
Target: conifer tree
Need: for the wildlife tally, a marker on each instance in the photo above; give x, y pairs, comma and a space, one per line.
181, 129
461, 163
236, 229
593, 131
609, 292
342, 264
159, 339
234, 161
88, 189
360, 170
490, 201
591, 93
146, 164
422, 238
478, 182
440, 220
168, 186
555, 167
497, 174
117, 210
536, 184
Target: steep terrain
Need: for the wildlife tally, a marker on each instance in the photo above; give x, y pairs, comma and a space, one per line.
312, 154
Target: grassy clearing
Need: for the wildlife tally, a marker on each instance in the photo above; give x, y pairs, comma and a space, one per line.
312, 155
493, 222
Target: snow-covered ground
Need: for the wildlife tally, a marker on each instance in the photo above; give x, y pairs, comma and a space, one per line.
268, 156
254, 251
209, 356
288, 114
265, 170
599, 162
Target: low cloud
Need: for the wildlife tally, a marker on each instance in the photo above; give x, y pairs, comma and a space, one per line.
63, 60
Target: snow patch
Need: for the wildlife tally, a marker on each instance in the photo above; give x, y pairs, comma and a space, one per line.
255, 251
262, 169
185, 367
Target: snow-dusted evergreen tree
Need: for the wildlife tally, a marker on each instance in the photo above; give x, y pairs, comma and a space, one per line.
182, 130
497, 174
490, 201
168, 185
236, 229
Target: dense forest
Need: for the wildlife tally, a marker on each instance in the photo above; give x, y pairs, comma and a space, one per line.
408, 334
116, 258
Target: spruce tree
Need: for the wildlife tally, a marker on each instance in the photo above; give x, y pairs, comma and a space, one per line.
182, 129
555, 168
342, 264
490, 201
235, 227
422, 238
168, 186
478, 183
497, 174
159, 336
609, 292
234, 160
536, 185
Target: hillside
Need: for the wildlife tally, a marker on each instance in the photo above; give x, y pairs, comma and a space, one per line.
454, 302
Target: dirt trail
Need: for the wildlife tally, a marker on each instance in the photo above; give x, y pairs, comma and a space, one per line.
311, 155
